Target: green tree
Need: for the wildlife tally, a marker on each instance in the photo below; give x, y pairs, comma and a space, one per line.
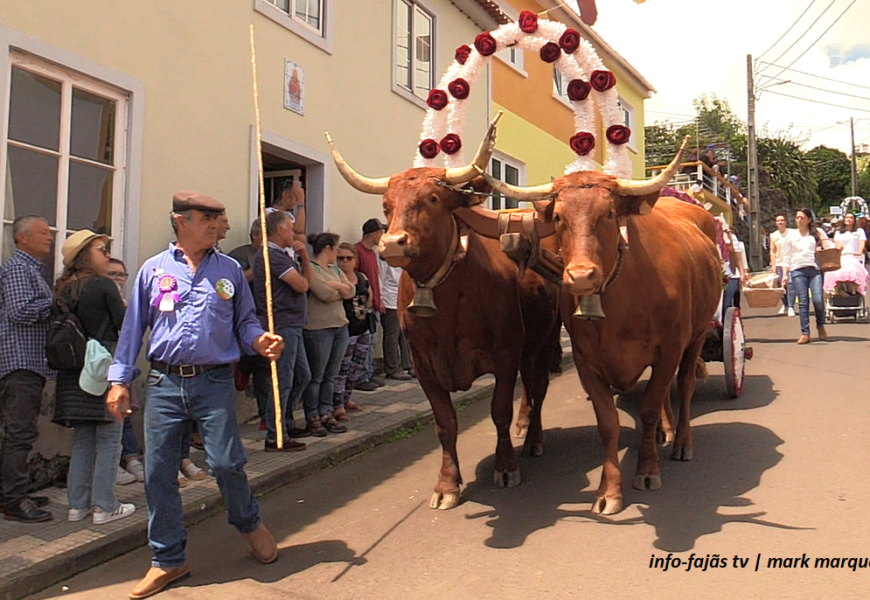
832, 170
864, 177
783, 166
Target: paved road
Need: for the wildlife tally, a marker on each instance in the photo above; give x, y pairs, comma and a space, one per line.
779, 472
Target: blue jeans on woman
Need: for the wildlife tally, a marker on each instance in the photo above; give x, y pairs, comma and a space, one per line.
171, 403
325, 349
809, 279
93, 466
788, 297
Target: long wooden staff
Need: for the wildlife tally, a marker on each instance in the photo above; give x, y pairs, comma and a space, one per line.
279, 420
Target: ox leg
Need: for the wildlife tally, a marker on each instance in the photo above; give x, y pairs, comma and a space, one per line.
523, 417
446, 494
665, 430
648, 475
535, 372
686, 379
507, 468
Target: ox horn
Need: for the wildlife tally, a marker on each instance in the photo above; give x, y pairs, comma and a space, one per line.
536, 192
627, 187
357, 181
458, 175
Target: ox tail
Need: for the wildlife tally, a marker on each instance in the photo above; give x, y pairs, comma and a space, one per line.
701, 369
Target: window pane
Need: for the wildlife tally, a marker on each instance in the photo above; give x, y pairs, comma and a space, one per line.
511, 175
34, 109
403, 44
557, 81
495, 171
422, 54
33, 189
282, 4
309, 11
90, 198
92, 134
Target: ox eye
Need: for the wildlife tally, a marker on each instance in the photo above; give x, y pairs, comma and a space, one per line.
433, 199
611, 214
557, 219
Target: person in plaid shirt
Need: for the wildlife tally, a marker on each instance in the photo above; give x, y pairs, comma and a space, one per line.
25, 307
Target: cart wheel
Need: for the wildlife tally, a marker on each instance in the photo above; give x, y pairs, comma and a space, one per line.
733, 349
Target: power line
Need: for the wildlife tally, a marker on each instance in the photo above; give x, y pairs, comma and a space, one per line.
788, 30
864, 87
819, 102
808, 29
812, 87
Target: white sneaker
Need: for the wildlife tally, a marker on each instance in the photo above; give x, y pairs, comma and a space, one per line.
136, 468
791, 312
123, 477
191, 471
77, 514
124, 510
781, 311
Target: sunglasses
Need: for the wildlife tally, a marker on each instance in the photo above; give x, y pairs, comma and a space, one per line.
102, 249
345, 258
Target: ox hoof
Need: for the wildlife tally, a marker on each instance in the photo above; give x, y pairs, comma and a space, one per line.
607, 506
444, 501
509, 479
682, 452
647, 483
533, 450
521, 431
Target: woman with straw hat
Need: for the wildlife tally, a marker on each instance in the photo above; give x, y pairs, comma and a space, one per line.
87, 292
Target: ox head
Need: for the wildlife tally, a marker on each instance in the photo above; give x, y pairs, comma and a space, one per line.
589, 211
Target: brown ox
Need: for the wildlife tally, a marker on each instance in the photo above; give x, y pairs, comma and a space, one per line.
489, 319
662, 289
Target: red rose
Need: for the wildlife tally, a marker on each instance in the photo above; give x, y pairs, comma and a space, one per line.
582, 143
569, 41
462, 54
485, 44
528, 21
451, 143
550, 52
578, 90
602, 80
428, 148
618, 134
459, 88
437, 99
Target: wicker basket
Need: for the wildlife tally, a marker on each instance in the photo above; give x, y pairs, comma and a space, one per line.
828, 259
763, 297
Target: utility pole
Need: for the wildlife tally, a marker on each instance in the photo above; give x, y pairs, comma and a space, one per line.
755, 250
854, 161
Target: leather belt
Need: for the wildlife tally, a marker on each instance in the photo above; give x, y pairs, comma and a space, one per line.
183, 370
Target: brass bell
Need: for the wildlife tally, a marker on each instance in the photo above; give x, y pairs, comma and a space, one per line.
589, 308
423, 304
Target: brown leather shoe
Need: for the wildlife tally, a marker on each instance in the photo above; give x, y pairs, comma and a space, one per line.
804, 339
156, 580
823, 335
263, 544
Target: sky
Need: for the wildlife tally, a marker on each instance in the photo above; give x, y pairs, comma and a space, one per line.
685, 48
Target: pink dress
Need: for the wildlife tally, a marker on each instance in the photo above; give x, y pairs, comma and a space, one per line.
851, 266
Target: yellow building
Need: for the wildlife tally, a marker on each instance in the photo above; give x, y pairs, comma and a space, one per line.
109, 107
538, 122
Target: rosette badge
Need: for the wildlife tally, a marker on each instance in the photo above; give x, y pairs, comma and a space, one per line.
429, 148
618, 134
167, 287
451, 143
582, 143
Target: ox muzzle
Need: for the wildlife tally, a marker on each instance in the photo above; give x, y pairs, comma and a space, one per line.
394, 248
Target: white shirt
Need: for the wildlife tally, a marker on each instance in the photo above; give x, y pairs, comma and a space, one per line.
389, 279
850, 240
735, 258
779, 242
803, 249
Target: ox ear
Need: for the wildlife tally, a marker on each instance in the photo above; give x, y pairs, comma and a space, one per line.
481, 190
545, 208
635, 205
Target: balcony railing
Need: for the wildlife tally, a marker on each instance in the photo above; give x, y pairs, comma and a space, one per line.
711, 182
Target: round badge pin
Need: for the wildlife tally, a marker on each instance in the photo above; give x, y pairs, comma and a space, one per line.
225, 289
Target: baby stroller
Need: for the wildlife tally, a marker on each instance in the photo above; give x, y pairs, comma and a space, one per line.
845, 290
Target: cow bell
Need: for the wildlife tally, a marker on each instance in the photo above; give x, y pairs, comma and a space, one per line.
423, 304
589, 308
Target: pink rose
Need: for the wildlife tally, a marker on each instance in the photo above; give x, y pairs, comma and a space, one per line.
451, 143
462, 54
602, 80
569, 41
578, 90
428, 148
582, 143
459, 88
618, 134
528, 21
437, 99
485, 44
550, 52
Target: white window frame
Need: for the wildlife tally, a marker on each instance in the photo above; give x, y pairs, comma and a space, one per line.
628, 109
514, 57
519, 165
71, 69
397, 87
322, 38
563, 96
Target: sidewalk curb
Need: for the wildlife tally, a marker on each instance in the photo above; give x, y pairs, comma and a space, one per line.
55, 570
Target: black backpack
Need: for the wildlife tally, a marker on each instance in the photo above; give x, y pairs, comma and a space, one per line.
66, 342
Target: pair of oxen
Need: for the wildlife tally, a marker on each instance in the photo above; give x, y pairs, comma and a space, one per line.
468, 310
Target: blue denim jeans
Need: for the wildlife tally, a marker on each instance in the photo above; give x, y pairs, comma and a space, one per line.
93, 466
788, 297
809, 279
171, 403
294, 349
129, 443
325, 349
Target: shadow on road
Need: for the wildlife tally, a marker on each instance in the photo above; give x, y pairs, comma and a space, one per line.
793, 340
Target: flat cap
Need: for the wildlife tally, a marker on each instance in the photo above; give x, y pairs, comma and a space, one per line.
188, 200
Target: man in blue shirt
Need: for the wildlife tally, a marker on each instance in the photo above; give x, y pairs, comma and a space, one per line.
25, 307
199, 308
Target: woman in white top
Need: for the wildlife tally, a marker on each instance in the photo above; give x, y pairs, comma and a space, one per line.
851, 240
780, 261
804, 272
